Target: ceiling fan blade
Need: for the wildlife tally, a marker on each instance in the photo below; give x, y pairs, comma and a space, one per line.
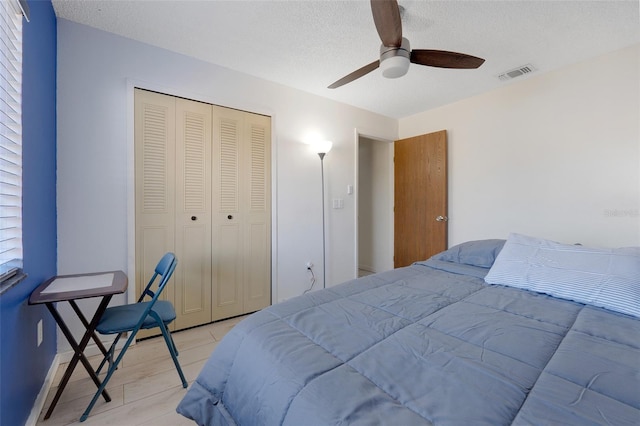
386, 16
355, 75
444, 59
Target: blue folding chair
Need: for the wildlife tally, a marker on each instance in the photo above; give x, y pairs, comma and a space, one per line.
141, 315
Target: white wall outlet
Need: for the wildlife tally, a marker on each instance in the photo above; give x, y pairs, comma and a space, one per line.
338, 203
40, 337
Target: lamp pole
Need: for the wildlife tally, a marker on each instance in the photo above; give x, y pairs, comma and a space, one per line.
324, 251
322, 148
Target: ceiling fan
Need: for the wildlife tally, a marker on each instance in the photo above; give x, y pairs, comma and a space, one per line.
396, 53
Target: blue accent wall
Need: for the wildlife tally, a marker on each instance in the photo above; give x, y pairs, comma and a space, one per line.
24, 365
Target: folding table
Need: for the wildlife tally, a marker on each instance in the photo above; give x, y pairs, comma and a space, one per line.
69, 288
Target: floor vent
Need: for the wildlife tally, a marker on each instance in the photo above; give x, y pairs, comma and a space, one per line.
517, 72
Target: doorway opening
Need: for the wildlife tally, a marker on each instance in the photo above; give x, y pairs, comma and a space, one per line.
374, 211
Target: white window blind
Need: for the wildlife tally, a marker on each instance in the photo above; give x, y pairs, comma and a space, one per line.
10, 138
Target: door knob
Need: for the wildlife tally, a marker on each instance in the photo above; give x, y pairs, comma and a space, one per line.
229, 217
194, 218
442, 219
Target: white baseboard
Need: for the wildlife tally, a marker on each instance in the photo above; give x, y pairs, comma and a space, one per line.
367, 268
38, 405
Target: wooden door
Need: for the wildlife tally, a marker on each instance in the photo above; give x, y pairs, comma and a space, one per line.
420, 187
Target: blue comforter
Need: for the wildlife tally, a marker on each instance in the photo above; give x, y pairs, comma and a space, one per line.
425, 344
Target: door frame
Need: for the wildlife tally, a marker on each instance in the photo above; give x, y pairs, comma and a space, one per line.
358, 134
132, 84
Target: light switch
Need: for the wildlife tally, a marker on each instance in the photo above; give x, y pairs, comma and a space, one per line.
349, 189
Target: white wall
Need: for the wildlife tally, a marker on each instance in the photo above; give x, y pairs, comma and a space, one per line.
555, 156
96, 71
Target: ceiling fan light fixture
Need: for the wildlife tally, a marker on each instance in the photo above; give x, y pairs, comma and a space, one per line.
394, 67
394, 61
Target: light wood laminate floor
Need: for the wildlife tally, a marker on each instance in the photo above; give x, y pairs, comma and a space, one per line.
145, 389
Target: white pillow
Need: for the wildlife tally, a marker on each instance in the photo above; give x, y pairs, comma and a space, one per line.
607, 278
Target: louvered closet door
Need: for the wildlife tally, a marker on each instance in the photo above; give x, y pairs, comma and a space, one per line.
257, 238
241, 213
227, 217
203, 191
193, 213
154, 184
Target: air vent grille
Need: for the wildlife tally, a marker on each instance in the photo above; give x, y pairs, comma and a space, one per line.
517, 72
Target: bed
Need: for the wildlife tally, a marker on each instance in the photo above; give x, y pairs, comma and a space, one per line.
524, 331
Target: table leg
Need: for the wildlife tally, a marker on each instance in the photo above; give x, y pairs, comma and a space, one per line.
78, 351
86, 324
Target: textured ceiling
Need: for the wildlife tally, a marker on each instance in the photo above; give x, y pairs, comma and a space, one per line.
310, 44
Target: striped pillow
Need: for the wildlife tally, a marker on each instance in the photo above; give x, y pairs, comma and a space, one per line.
607, 278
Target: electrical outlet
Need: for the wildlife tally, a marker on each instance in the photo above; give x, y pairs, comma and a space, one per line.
40, 333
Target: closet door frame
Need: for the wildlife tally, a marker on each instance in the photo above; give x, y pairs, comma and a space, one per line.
133, 84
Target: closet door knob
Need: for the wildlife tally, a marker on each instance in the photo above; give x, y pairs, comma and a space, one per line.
442, 218
194, 218
229, 217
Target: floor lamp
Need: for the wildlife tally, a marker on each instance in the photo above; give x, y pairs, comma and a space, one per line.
322, 148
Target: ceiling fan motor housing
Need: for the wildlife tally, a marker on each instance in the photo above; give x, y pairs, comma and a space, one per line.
394, 61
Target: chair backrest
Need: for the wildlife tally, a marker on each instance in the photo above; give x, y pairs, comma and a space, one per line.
164, 270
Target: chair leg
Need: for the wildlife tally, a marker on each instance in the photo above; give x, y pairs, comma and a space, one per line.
112, 368
173, 351
173, 344
109, 354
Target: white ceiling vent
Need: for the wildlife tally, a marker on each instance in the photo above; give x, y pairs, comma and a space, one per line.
517, 72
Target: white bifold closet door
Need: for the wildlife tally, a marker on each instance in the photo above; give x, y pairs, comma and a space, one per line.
241, 212
203, 192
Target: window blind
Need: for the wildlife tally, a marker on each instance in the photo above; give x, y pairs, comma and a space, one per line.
10, 138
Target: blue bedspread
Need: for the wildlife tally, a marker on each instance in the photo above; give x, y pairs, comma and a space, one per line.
422, 345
